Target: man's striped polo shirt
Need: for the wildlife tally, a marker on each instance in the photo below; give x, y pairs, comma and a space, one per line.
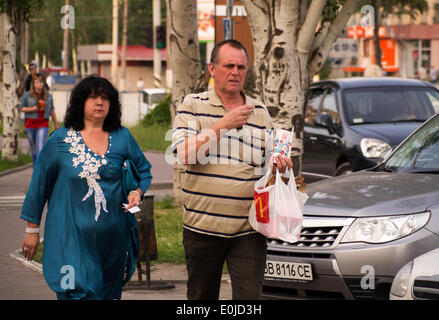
218, 192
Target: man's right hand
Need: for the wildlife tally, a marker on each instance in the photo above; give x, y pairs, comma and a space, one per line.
236, 117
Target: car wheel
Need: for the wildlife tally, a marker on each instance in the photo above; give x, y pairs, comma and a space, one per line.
344, 168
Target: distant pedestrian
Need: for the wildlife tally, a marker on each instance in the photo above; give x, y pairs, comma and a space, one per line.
90, 241
33, 70
218, 193
37, 104
432, 75
422, 73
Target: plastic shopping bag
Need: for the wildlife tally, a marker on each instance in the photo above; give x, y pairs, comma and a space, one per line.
277, 210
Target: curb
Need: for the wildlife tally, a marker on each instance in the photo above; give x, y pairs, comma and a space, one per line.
161, 185
6, 172
30, 264
166, 184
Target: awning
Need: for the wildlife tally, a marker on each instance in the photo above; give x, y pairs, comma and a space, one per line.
361, 69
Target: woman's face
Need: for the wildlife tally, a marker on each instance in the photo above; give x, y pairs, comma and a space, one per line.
38, 85
96, 107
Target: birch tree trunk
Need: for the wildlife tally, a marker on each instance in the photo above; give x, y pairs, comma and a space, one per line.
183, 48
10, 102
123, 71
291, 43
185, 60
114, 53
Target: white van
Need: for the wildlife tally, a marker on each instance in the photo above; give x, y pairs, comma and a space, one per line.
151, 97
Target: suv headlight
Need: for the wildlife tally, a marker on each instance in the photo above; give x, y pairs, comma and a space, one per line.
372, 148
384, 229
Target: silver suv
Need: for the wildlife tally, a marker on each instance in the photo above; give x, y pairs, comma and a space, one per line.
360, 229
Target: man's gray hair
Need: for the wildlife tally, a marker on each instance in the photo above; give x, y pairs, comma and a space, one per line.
231, 42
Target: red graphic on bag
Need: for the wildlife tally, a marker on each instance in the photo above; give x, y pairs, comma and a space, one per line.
261, 206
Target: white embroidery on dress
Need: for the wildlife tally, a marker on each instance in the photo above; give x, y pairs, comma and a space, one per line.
89, 170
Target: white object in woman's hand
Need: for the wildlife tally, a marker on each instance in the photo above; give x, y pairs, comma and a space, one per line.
133, 200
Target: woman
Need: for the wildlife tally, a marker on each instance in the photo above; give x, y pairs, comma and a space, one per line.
37, 104
90, 242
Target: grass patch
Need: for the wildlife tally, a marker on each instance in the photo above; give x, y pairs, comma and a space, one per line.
168, 221
152, 137
38, 257
168, 224
21, 132
22, 160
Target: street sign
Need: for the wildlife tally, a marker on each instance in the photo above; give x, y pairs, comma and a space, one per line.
228, 28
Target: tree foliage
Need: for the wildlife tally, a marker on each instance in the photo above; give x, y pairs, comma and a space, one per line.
93, 25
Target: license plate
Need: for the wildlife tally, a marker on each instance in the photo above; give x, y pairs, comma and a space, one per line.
288, 270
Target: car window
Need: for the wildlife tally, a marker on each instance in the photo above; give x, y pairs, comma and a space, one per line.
390, 104
418, 153
433, 96
329, 105
313, 104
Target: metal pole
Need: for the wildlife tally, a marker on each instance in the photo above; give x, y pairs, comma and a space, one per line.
228, 22
114, 54
156, 21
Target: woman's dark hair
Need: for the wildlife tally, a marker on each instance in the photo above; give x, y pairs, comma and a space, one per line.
96, 86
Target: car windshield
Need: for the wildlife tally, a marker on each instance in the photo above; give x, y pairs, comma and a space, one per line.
419, 153
390, 104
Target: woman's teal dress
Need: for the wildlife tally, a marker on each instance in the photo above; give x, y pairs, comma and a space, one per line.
90, 242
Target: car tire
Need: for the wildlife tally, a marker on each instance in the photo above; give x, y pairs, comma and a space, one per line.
344, 168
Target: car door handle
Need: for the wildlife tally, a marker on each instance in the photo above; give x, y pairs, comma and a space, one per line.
313, 138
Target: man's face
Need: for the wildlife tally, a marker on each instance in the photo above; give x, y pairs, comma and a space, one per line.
230, 70
33, 69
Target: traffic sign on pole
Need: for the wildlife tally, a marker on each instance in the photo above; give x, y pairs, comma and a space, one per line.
228, 28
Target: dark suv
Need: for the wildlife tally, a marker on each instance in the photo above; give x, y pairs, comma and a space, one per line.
350, 122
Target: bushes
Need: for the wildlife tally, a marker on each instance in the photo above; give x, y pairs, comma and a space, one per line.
159, 115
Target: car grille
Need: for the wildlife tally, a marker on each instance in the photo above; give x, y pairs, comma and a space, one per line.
312, 237
380, 290
426, 289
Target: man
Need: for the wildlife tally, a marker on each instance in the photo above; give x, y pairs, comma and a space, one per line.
33, 69
422, 73
224, 137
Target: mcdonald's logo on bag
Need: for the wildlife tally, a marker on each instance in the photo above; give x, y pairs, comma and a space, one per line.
262, 207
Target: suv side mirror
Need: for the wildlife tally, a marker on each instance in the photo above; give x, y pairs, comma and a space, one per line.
325, 120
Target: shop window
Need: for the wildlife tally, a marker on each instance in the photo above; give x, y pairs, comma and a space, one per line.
426, 44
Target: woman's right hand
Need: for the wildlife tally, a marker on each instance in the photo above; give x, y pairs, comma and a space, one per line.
31, 109
30, 245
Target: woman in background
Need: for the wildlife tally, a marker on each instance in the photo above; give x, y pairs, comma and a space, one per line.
37, 104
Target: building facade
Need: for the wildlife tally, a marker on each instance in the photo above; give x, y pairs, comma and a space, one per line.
407, 44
